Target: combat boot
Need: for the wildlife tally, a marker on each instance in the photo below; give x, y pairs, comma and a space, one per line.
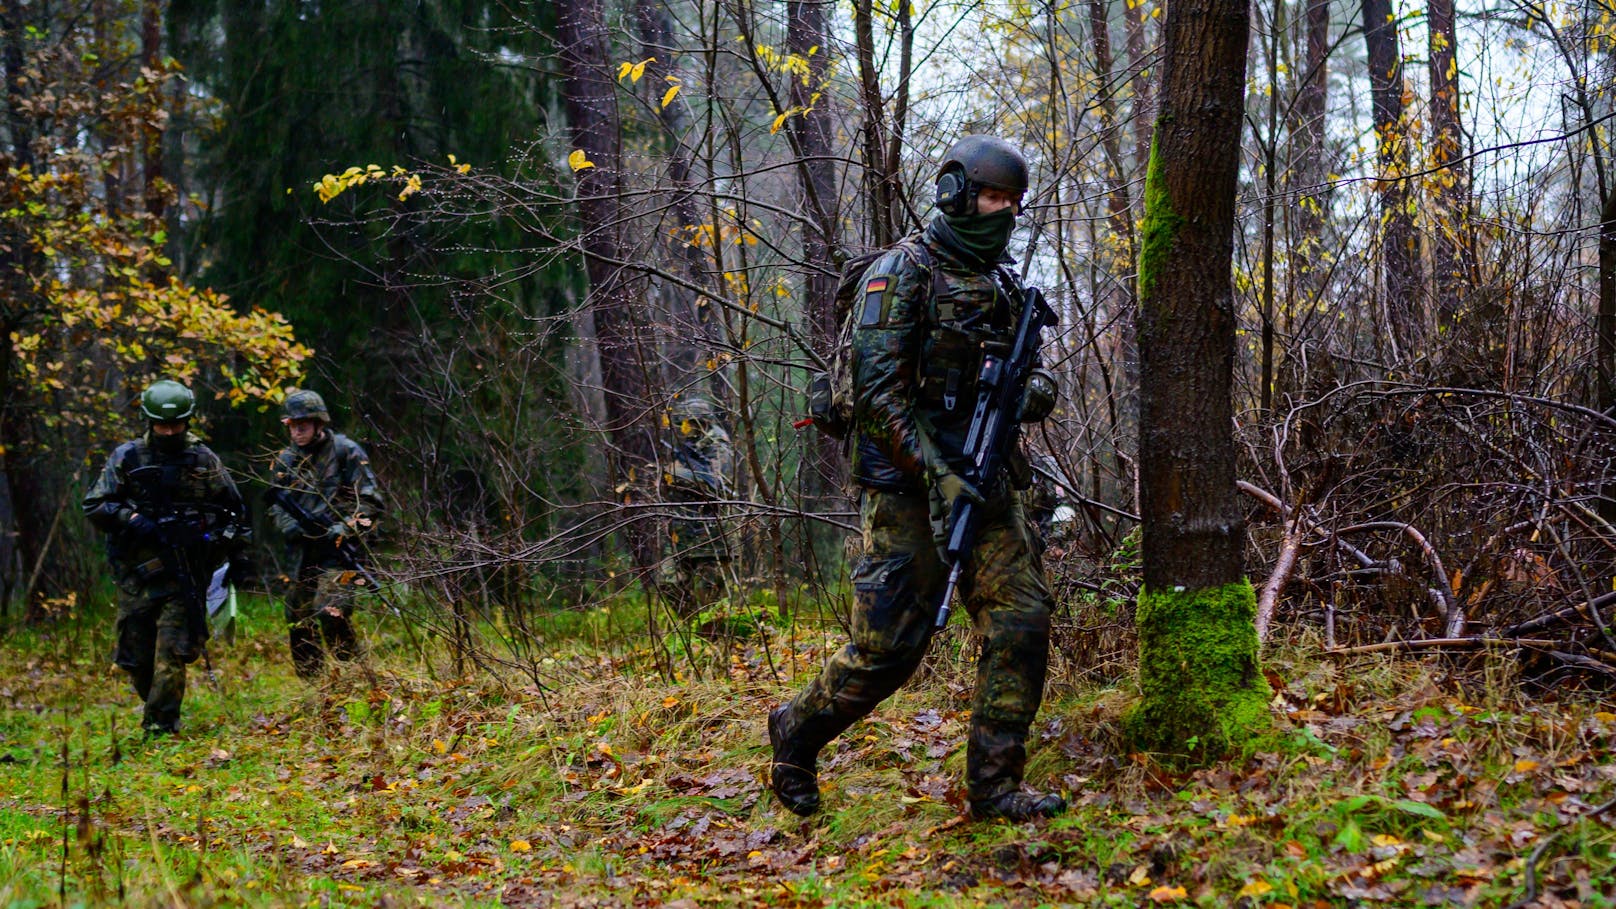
794, 773
1018, 806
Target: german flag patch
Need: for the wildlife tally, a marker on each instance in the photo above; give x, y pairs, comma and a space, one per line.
875, 291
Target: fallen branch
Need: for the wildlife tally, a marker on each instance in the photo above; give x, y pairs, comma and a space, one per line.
1454, 624
1562, 615
1531, 863
1441, 644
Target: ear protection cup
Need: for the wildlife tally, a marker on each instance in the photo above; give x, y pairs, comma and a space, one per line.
953, 193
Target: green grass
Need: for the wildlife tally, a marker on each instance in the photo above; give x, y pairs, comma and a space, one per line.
387, 783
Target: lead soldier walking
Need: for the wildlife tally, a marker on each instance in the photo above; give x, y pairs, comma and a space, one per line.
925, 312
334, 502
172, 516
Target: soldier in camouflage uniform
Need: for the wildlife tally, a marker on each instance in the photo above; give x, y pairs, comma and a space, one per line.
329, 476
172, 515
1041, 499
925, 310
696, 479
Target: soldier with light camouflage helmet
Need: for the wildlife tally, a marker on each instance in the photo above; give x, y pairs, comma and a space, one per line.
925, 312
695, 479
172, 516
327, 475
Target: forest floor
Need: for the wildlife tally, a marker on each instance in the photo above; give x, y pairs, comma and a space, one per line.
594, 782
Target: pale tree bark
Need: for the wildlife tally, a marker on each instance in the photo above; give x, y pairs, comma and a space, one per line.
1135, 16
595, 125
1308, 170
1399, 242
1201, 691
687, 339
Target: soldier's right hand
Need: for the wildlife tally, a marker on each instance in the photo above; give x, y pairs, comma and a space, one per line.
142, 527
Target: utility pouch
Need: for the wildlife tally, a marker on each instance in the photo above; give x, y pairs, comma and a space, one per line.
148, 571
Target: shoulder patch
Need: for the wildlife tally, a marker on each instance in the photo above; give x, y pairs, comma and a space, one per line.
875, 291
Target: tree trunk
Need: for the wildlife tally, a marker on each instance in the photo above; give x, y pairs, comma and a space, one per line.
151, 57
807, 29
880, 178
688, 329
1450, 198
596, 128
1201, 691
1399, 243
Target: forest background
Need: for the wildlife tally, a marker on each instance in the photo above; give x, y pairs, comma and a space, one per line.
505, 241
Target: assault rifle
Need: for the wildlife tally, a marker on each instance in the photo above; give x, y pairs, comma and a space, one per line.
316, 527
184, 533
1000, 386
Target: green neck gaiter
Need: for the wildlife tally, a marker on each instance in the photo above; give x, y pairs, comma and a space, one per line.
983, 237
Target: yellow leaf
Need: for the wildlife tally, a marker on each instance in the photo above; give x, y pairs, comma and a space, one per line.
1385, 839
778, 122
579, 160
521, 846
1256, 889
1166, 894
638, 69
670, 701
1525, 766
623, 70
1602, 716
669, 95
439, 747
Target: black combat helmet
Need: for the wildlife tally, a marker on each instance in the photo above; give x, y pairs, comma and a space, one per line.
988, 161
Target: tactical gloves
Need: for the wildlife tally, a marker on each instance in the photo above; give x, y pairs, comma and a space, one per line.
950, 486
142, 527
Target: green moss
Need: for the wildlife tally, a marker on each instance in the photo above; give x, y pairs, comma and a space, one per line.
1202, 694
1161, 224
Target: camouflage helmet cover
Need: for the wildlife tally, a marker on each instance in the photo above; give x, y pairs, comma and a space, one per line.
694, 407
166, 400
987, 161
303, 404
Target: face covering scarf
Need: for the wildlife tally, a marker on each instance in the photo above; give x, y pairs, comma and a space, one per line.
982, 237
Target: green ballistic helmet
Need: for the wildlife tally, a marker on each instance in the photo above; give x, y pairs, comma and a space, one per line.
166, 401
303, 404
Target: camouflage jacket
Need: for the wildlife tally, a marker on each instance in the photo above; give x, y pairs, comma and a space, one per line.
191, 488
331, 480
701, 467
917, 344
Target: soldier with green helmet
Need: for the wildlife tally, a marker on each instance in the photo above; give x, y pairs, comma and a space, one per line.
328, 476
925, 312
695, 479
172, 516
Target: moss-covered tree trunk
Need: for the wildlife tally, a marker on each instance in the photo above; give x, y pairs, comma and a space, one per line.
1202, 693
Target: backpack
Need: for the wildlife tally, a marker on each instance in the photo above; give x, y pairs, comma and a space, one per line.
830, 392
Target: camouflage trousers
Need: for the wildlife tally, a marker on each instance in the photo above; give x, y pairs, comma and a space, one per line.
152, 648
896, 587
319, 610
